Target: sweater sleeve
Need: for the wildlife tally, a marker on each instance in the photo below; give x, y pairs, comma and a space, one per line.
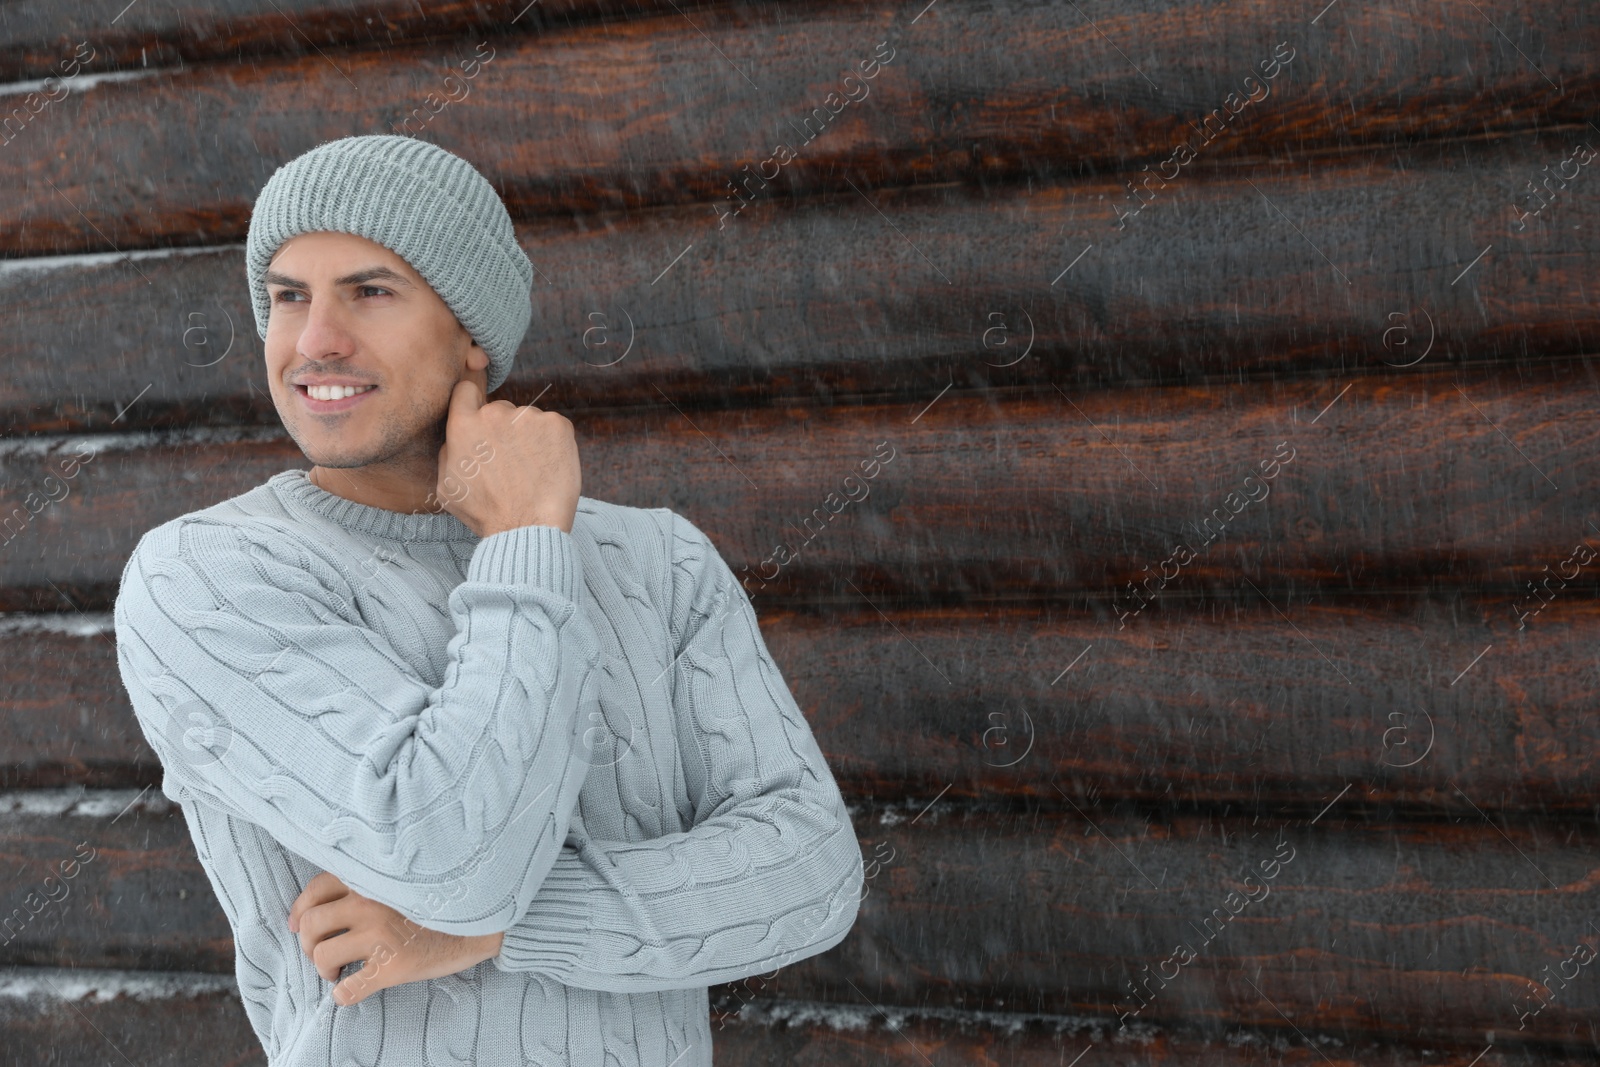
264, 696
770, 872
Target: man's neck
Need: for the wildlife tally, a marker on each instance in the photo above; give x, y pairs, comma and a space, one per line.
408, 492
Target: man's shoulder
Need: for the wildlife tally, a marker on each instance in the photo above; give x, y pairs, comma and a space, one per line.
606, 522
654, 542
257, 512
603, 521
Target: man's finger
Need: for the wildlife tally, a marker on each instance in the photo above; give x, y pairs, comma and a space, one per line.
380, 969
335, 954
465, 399
325, 920
320, 890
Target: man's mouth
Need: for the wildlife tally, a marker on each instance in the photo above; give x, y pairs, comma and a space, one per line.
331, 398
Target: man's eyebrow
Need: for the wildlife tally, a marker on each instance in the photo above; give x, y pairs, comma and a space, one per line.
367, 274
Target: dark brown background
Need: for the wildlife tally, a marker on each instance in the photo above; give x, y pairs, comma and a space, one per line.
1064, 798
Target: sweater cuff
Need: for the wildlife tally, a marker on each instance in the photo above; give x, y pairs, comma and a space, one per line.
551, 935
539, 555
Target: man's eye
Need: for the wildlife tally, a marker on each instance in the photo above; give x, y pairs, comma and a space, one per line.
282, 296
377, 289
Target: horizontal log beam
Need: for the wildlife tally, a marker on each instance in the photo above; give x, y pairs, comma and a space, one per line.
1360, 486
136, 1013
1413, 930
1417, 932
662, 109
85, 1018
154, 1006
1418, 706
41, 35
826, 301
844, 1035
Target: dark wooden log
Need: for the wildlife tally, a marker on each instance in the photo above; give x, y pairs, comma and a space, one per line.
1188, 711
88, 1018
850, 1037
1227, 709
40, 35
843, 1035
1209, 281
1421, 932
86, 866
66, 720
1358, 486
83, 1018
137, 1014
666, 109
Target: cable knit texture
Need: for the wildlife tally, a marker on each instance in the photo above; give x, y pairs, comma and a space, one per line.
578, 739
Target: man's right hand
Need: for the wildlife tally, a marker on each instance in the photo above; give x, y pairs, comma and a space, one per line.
504, 466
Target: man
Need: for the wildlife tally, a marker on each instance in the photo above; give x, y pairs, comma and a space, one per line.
517, 758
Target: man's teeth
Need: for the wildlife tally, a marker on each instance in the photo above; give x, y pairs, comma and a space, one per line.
335, 392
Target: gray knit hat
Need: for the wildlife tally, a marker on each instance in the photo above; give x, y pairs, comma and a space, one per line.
429, 206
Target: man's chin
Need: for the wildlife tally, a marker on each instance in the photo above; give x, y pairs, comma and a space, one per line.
335, 460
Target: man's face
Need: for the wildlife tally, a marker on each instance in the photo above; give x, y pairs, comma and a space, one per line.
347, 311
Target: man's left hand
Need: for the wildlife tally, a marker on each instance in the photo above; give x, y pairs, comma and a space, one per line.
338, 926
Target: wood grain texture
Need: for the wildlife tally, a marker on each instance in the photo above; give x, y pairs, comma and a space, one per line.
1361, 486
83, 1030
77, 1018
1420, 931
66, 719
1189, 710
827, 301
160, 34
1060, 760
826, 1034
665, 110
1416, 930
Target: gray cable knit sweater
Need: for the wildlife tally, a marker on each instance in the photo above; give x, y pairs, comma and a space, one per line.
579, 739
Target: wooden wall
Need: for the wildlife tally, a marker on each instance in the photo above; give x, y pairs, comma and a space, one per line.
1078, 672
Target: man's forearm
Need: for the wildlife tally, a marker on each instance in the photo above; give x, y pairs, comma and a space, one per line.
770, 881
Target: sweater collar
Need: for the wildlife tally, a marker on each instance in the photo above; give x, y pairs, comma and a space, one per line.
295, 488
